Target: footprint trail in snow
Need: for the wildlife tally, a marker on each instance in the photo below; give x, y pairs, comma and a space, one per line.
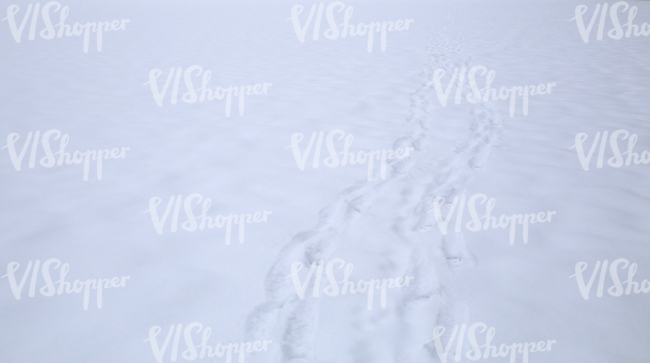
293, 323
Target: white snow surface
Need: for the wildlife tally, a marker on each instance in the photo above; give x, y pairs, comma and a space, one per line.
244, 292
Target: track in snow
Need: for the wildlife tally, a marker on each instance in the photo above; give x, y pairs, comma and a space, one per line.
294, 322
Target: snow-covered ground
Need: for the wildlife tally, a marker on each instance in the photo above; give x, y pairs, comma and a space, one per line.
385, 227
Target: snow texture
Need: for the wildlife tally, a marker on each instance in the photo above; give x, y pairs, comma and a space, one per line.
240, 281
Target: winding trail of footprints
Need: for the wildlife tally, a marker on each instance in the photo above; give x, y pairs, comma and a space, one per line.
293, 323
